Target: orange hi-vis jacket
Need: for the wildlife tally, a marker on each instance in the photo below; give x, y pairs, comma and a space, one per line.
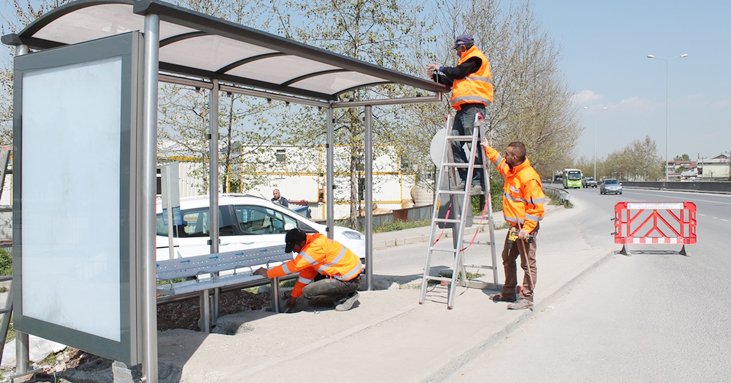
476, 87
319, 255
523, 197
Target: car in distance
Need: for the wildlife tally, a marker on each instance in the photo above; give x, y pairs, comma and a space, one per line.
610, 186
245, 222
588, 182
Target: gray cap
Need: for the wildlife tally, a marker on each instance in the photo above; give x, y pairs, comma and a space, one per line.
465, 40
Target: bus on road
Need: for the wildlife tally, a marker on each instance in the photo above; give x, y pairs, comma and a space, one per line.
572, 178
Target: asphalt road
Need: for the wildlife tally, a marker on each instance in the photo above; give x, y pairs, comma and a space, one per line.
658, 317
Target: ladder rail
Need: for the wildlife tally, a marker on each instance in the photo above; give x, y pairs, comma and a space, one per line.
458, 271
450, 170
435, 213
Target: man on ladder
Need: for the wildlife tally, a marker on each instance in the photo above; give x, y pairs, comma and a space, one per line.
460, 176
523, 201
472, 92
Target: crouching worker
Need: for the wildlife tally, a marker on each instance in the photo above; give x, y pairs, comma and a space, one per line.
328, 270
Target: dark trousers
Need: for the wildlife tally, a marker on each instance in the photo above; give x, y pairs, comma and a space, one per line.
510, 255
464, 122
330, 290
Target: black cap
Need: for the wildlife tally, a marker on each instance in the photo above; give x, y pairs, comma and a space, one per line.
463, 40
292, 238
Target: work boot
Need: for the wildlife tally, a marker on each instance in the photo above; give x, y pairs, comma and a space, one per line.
476, 190
346, 304
521, 304
502, 298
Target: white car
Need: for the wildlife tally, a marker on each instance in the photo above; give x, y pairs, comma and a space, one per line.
245, 222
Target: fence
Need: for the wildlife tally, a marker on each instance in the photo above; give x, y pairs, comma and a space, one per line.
654, 223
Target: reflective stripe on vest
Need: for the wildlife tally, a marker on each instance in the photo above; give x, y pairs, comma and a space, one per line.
285, 268
305, 281
307, 258
334, 261
532, 217
351, 274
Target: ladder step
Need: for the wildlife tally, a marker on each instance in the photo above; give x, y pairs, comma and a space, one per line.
460, 138
456, 165
442, 249
449, 220
5, 209
451, 192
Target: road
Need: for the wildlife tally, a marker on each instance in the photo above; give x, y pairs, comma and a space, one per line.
639, 318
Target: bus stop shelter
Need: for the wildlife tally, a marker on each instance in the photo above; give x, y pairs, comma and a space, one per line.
70, 61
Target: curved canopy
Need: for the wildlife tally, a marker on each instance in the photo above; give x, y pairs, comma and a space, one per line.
194, 44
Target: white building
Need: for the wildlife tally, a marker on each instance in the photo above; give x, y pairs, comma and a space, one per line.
300, 174
716, 168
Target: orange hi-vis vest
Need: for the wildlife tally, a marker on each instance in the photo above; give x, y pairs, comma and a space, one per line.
319, 255
523, 198
476, 87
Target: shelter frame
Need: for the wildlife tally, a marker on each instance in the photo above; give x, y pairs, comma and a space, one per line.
168, 29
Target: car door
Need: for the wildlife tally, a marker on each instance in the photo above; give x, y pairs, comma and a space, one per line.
260, 226
191, 238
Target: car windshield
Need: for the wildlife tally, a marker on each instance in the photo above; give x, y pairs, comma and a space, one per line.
589, 179
611, 182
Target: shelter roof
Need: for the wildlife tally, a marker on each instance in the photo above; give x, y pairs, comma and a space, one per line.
201, 46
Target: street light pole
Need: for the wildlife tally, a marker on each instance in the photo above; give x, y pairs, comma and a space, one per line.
667, 107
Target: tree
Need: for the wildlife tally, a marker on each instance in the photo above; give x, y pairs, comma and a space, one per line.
637, 161
370, 31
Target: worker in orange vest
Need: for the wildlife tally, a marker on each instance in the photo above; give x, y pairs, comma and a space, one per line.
328, 271
523, 209
472, 92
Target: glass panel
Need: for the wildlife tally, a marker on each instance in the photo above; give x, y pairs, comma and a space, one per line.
72, 236
209, 52
100, 21
333, 83
279, 69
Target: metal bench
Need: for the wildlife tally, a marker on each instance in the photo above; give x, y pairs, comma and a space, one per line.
214, 271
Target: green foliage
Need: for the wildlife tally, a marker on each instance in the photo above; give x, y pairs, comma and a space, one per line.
6, 262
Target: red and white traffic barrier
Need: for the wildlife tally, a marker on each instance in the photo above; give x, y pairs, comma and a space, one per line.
655, 223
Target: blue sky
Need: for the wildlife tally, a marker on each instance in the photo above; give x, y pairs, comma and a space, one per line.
603, 61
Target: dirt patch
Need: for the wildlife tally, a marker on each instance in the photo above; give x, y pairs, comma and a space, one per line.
76, 366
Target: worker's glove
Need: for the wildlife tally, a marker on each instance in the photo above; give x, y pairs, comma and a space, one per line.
523, 234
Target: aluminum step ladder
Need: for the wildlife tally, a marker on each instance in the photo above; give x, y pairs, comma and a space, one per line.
449, 205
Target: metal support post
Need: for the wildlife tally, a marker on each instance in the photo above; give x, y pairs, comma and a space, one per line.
330, 171
22, 343
369, 195
213, 190
147, 206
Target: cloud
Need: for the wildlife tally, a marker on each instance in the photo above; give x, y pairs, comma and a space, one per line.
721, 104
585, 97
635, 103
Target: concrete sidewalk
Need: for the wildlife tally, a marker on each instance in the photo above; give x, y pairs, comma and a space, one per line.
389, 337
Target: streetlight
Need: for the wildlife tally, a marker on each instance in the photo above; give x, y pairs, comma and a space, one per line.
667, 105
